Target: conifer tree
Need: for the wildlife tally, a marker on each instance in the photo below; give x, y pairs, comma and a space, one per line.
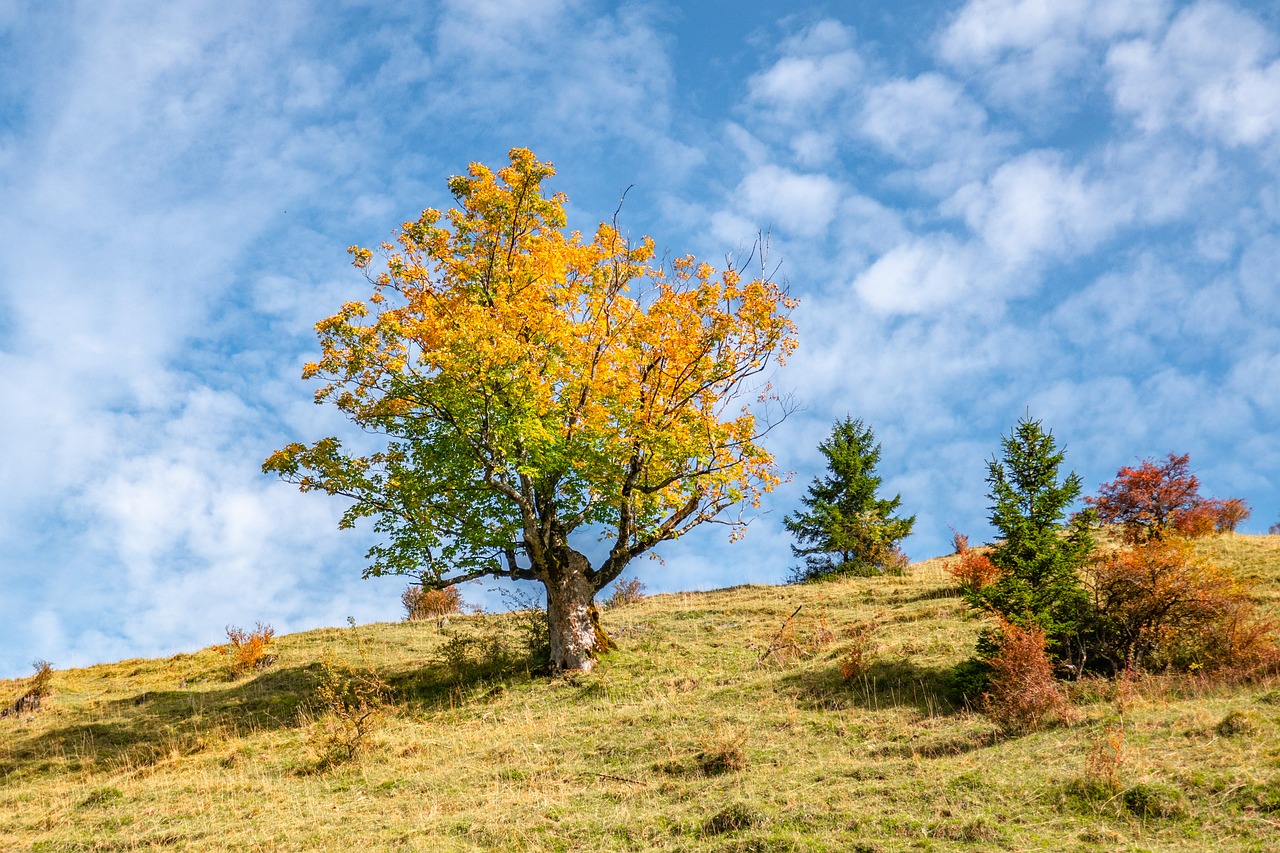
1040, 556
844, 528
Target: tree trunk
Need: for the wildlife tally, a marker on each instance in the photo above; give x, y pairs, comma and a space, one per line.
570, 602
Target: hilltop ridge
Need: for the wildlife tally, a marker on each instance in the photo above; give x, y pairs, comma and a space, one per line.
721, 722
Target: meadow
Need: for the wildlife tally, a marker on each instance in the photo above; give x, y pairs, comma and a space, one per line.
756, 718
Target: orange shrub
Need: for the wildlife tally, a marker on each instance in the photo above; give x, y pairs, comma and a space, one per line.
856, 661
1157, 606
973, 570
422, 603
248, 649
1022, 694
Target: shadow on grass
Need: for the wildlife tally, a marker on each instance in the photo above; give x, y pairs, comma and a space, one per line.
938, 594
886, 684
941, 748
146, 728
155, 725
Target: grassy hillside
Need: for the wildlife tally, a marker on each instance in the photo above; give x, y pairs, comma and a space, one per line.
683, 739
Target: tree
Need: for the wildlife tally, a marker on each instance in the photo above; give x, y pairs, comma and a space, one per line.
1153, 500
534, 387
1040, 557
845, 528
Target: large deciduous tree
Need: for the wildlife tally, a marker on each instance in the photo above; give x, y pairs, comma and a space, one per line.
845, 528
535, 386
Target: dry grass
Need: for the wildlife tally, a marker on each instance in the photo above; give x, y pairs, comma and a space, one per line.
164, 753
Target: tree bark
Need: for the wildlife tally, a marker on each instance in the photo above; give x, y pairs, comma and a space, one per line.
570, 602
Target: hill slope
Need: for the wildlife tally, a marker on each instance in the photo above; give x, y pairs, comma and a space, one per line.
683, 739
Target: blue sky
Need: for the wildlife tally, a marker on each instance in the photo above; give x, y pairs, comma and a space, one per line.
986, 208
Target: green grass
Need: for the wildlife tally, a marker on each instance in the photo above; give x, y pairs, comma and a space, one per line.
679, 740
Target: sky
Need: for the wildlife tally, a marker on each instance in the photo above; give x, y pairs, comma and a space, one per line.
989, 209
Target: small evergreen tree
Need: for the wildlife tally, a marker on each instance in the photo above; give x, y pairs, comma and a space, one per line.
845, 529
1040, 557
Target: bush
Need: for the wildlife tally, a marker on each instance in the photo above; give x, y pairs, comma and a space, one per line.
625, 592
1022, 694
426, 603
973, 569
350, 704
1156, 499
856, 660
493, 647
34, 691
1106, 757
248, 649
1229, 514
1156, 606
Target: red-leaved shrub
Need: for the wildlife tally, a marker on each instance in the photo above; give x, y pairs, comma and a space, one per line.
973, 569
1157, 498
1230, 513
1022, 694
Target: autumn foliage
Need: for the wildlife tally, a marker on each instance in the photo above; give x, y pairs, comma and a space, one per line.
537, 386
35, 690
1023, 694
1155, 499
248, 650
427, 603
971, 568
1158, 606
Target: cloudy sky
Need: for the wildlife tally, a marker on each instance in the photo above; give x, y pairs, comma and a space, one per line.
1069, 208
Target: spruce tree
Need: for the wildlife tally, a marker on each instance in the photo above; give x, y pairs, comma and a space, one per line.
844, 528
1042, 550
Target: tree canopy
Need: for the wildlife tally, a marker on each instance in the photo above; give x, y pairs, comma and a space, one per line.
1153, 499
532, 384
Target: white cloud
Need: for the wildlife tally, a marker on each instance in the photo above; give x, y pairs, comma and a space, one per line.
817, 67
1214, 72
1026, 50
1034, 206
920, 117
800, 204
984, 31
921, 275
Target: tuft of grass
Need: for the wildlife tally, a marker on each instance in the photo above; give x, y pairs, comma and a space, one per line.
734, 817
